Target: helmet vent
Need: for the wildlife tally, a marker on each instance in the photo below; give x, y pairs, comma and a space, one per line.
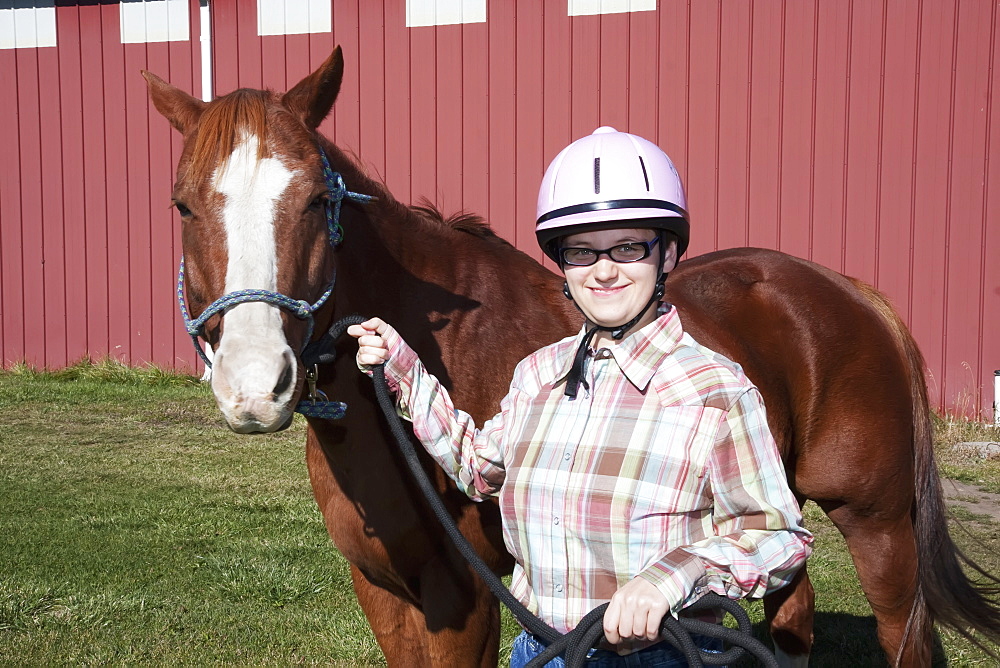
597, 176
644, 174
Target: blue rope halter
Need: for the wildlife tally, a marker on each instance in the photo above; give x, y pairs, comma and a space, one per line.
299, 308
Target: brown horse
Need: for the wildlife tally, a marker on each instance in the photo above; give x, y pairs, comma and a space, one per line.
841, 377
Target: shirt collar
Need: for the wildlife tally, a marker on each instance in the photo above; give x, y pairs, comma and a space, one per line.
640, 353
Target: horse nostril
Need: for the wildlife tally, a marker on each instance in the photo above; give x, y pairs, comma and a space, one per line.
285, 381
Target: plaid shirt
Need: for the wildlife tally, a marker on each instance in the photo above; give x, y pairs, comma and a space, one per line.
663, 469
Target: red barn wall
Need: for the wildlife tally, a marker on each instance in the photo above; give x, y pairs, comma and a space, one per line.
87, 243
857, 134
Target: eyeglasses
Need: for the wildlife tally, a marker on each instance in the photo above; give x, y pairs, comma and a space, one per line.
633, 251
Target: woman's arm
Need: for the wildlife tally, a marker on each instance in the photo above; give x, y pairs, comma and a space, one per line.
759, 542
473, 458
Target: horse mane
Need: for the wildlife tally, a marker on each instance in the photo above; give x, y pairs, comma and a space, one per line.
224, 123
461, 221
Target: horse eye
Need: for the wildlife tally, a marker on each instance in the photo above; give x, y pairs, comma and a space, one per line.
181, 209
318, 202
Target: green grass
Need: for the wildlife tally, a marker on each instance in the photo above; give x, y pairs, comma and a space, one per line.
137, 529
960, 463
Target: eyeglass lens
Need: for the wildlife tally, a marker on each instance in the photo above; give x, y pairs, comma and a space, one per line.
630, 252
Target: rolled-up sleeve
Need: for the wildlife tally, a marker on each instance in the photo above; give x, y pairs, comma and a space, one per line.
759, 542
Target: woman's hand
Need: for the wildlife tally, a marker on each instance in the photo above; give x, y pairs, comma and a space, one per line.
372, 349
635, 612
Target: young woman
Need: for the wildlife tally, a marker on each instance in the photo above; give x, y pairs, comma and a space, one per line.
632, 464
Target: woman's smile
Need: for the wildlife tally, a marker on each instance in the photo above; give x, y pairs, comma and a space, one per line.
608, 291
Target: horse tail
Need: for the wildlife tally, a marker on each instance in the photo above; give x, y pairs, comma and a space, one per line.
944, 591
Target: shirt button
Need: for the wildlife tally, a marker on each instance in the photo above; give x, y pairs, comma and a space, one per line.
559, 588
555, 520
567, 456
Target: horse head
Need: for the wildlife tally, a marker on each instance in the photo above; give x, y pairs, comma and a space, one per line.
258, 234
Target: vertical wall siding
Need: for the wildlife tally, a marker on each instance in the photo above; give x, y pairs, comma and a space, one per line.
87, 245
858, 134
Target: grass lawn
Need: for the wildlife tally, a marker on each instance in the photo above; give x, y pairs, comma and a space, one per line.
137, 529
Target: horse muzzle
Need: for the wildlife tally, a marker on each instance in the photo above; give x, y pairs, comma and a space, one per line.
256, 393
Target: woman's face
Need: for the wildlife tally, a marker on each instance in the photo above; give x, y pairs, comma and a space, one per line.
611, 293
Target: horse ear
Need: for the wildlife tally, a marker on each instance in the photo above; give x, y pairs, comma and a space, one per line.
313, 97
181, 109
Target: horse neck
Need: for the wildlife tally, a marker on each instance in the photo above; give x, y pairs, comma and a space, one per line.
387, 247
394, 263
419, 274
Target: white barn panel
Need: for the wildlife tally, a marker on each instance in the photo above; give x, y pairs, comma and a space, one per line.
28, 24
206, 51
293, 17
590, 7
444, 12
154, 21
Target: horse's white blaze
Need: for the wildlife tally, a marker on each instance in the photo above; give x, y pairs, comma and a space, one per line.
253, 354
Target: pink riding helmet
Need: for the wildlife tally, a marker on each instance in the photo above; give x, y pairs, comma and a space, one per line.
606, 178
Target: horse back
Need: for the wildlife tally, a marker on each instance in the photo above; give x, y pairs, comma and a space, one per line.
827, 360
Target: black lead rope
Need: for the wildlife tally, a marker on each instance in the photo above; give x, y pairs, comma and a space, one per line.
576, 644
321, 351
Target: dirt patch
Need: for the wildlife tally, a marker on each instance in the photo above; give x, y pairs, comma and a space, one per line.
971, 498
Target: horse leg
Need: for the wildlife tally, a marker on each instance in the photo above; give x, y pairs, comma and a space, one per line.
885, 556
389, 616
789, 612
457, 623
463, 615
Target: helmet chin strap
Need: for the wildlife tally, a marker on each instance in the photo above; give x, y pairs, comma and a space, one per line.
575, 376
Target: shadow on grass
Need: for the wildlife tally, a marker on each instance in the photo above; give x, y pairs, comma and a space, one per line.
840, 640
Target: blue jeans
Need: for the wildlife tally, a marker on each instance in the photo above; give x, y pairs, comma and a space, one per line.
663, 655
